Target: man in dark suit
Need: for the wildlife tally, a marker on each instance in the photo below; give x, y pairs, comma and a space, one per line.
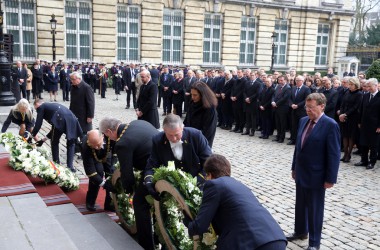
314, 169
187, 147
370, 125
225, 93
211, 80
188, 83
155, 74
133, 146
238, 102
147, 102
332, 98
251, 95
166, 81
266, 109
280, 105
63, 121
64, 78
96, 153
82, 101
237, 217
297, 106
20, 85
129, 78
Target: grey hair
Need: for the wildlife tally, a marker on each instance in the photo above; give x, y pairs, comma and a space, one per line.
172, 121
77, 75
109, 123
372, 81
146, 72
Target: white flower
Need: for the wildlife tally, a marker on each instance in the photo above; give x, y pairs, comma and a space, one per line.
171, 165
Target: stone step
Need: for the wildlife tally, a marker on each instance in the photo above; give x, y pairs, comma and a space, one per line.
42, 230
112, 232
81, 232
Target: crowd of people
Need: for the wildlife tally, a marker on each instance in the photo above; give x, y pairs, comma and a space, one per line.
241, 101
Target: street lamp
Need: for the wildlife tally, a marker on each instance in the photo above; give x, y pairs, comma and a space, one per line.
53, 23
6, 96
273, 38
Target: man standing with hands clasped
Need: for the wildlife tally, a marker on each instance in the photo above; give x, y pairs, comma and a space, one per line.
314, 169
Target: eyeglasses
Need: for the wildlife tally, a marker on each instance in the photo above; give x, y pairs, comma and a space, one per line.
310, 108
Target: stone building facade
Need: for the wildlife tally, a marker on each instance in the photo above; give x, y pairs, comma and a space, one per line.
307, 34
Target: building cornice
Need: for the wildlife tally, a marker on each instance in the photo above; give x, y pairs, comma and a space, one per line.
290, 4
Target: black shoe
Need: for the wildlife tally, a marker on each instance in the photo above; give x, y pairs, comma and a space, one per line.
280, 141
127, 107
163, 114
370, 166
261, 136
252, 133
233, 130
361, 164
347, 159
265, 137
291, 142
219, 125
90, 207
68, 99
73, 169
245, 133
227, 128
276, 139
239, 131
295, 236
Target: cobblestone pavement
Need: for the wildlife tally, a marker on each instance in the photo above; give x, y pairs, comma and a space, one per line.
352, 207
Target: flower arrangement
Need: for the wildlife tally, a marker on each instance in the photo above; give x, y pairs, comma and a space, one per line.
33, 161
125, 201
171, 211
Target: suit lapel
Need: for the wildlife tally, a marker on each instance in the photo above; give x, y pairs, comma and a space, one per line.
301, 130
315, 130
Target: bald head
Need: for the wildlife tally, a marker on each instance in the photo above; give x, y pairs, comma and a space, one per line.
95, 139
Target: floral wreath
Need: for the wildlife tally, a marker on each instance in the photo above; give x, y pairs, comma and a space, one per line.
179, 193
34, 161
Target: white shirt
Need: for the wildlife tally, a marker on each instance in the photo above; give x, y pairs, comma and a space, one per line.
177, 149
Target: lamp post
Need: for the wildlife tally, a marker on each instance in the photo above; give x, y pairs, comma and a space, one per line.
53, 23
6, 96
273, 38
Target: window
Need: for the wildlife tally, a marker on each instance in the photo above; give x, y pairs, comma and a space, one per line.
280, 42
172, 36
247, 40
19, 19
211, 38
78, 26
322, 44
128, 33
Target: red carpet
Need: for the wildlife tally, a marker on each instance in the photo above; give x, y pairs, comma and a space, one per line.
50, 193
12, 182
78, 198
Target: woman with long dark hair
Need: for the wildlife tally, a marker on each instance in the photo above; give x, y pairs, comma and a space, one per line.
202, 113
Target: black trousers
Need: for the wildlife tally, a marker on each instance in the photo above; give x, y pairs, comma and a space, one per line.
266, 123
93, 185
238, 115
281, 117
178, 109
159, 96
103, 89
251, 117
167, 104
296, 117
131, 90
66, 91
372, 150
143, 217
219, 110
23, 91
187, 102
55, 136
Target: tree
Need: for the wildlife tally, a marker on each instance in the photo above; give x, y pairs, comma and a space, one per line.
373, 35
361, 8
374, 70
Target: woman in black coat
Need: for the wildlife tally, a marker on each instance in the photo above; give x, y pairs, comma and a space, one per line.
266, 109
349, 116
37, 83
202, 113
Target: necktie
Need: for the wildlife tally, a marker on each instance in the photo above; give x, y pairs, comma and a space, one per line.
308, 131
370, 97
298, 89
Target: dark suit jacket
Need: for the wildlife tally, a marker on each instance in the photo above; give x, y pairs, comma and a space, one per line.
332, 98
178, 86
237, 217
54, 80
195, 152
188, 83
299, 99
133, 149
64, 78
317, 161
370, 120
168, 83
82, 104
23, 74
252, 91
238, 90
211, 83
147, 103
266, 100
127, 77
155, 74
282, 96
60, 117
